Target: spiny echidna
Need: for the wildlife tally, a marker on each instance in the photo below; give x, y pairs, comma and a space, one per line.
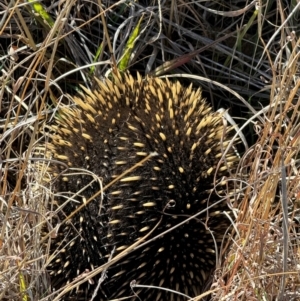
111, 130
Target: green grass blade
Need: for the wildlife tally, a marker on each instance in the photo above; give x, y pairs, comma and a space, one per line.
124, 62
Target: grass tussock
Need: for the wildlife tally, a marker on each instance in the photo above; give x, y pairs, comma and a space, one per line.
244, 54
263, 263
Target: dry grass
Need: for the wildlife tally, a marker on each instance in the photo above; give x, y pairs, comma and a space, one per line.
263, 263
250, 49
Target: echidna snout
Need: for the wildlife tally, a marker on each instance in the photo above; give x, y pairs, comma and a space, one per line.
109, 131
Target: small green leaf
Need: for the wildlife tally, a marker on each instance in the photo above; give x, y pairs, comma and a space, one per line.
129, 47
22, 287
99, 51
38, 8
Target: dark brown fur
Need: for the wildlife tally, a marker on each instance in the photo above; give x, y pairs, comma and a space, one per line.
112, 129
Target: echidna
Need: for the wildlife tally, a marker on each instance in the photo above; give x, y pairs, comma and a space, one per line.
110, 131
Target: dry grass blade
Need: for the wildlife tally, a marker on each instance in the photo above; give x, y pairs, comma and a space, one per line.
265, 257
